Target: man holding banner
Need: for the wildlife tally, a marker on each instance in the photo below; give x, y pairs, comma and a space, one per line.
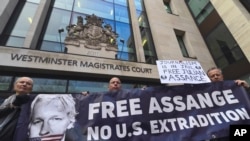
200, 111
215, 75
177, 113
12, 106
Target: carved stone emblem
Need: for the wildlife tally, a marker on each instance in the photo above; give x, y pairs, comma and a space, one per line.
91, 35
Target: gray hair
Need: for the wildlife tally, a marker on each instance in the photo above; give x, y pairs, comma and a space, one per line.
65, 103
214, 68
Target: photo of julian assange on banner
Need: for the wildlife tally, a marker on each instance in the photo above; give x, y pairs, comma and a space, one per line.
192, 112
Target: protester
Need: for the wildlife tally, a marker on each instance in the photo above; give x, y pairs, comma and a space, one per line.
51, 116
114, 84
215, 75
11, 107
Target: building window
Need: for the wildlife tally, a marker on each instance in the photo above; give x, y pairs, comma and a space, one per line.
227, 53
5, 82
182, 45
19, 24
52, 39
223, 46
146, 36
246, 4
77, 86
180, 38
49, 85
167, 6
200, 9
54, 85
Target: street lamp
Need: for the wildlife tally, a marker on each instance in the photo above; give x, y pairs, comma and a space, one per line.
60, 31
122, 41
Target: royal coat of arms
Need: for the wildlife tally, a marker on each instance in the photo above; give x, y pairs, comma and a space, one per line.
91, 34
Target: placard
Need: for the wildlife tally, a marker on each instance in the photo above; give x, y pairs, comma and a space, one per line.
175, 71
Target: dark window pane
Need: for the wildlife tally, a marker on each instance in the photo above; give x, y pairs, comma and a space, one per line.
77, 86
142, 18
146, 37
80, 86
223, 47
200, 9
167, 7
5, 82
182, 46
246, 4
49, 85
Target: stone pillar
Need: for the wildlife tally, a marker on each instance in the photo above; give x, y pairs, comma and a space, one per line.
6, 9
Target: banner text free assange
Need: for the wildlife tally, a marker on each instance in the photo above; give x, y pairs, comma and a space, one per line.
166, 104
170, 104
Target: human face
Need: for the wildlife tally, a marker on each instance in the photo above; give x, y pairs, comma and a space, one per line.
215, 75
23, 85
48, 119
114, 84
